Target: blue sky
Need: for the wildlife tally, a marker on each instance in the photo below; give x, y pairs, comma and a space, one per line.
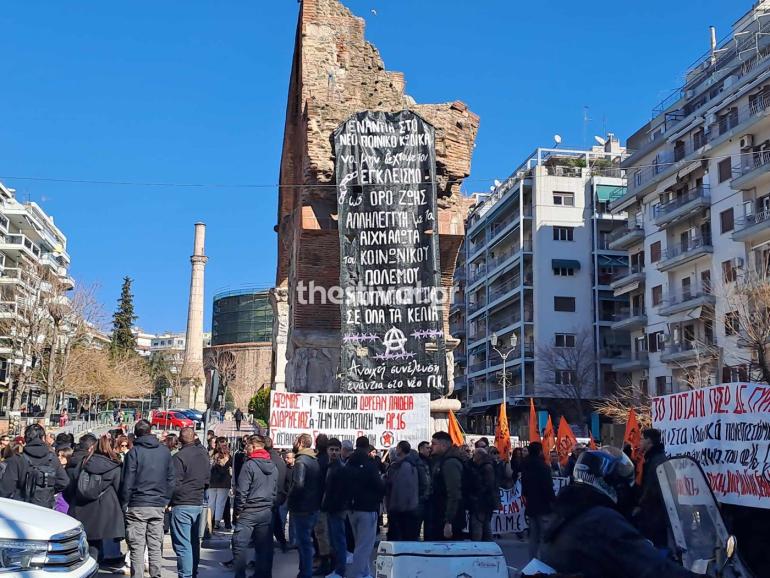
194, 91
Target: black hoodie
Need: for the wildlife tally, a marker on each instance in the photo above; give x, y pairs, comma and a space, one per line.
148, 474
257, 485
36, 455
192, 475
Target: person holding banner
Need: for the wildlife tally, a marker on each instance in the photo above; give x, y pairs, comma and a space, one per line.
650, 515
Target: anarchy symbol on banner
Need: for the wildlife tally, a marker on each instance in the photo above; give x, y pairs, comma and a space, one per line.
394, 341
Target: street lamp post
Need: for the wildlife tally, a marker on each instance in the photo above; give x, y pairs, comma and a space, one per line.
514, 341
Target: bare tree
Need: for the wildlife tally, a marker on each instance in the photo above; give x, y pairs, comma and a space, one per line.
224, 363
569, 370
625, 397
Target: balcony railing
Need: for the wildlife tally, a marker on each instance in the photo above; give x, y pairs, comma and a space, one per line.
751, 220
24, 241
682, 248
685, 296
700, 192
627, 272
623, 231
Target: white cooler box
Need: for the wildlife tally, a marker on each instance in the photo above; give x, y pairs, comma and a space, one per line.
440, 560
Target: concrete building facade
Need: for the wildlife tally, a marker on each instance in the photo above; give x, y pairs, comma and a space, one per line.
538, 266
698, 207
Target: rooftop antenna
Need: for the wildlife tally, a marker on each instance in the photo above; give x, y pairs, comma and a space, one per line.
586, 120
497, 183
713, 32
556, 140
600, 140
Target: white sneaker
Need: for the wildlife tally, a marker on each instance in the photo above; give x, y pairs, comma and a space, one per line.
333, 575
126, 570
349, 558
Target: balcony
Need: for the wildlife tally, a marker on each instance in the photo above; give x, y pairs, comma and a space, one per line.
625, 237
685, 252
680, 207
751, 225
477, 367
15, 276
628, 320
688, 352
622, 281
478, 274
612, 353
9, 310
3, 224
21, 244
754, 166
691, 299
638, 361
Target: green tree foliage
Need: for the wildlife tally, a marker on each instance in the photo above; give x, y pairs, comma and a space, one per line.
259, 405
123, 341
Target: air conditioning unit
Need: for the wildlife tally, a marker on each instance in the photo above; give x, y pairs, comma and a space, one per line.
711, 118
738, 263
689, 94
747, 141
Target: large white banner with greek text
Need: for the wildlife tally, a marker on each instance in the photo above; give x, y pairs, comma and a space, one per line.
385, 419
727, 429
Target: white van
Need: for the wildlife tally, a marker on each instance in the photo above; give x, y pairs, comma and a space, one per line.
37, 542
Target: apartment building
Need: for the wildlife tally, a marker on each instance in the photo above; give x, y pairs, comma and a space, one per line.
698, 206
457, 329
538, 265
32, 248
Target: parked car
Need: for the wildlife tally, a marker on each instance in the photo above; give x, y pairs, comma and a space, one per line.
37, 542
171, 419
194, 415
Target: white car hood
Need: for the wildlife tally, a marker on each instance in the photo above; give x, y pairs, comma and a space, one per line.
19, 520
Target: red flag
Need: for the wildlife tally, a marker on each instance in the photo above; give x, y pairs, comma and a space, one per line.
503, 434
548, 441
633, 436
455, 431
534, 432
591, 441
566, 442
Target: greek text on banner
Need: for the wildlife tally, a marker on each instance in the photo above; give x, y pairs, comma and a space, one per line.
726, 428
385, 419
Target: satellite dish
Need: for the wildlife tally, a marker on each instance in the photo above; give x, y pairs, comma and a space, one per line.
557, 139
600, 140
492, 188
497, 183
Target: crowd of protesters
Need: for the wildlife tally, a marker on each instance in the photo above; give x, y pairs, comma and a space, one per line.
334, 496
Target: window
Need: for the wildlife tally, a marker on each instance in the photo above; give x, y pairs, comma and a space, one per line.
565, 199
734, 373
656, 341
564, 304
564, 271
728, 271
725, 169
657, 295
726, 220
565, 340
662, 385
655, 252
686, 288
563, 233
732, 323
564, 377
705, 281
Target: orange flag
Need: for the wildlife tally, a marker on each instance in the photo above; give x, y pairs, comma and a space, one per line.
534, 432
633, 436
548, 442
591, 441
502, 434
455, 431
566, 441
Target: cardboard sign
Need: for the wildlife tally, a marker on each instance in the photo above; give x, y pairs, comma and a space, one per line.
385, 419
511, 517
726, 428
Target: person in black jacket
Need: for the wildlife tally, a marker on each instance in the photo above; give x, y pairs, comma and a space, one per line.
589, 537
537, 490
102, 518
447, 518
322, 524
145, 491
650, 515
191, 464
335, 505
305, 501
280, 496
483, 495
34, 476
366, 489
83, 449
255, 495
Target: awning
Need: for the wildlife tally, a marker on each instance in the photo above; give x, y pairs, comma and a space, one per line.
685, 316
626, 288
606, 193
565, 264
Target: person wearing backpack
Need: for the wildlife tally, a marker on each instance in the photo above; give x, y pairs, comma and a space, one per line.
146, 489
402, 491
34, 476
93, 496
